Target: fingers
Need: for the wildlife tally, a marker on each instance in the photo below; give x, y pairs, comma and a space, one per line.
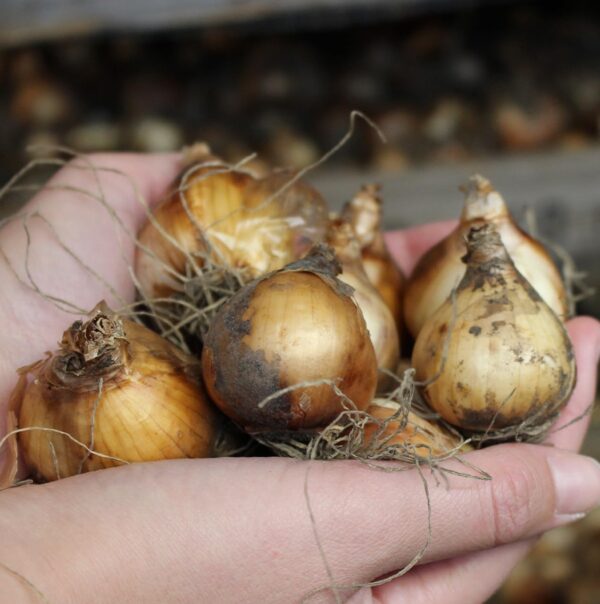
408, 245
532, 490
124, 179
585, 335
93, 206
221, 523
469, 578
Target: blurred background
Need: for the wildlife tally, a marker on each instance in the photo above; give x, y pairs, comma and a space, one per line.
509, 89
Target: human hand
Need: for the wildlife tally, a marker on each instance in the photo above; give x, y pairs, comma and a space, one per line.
239, 530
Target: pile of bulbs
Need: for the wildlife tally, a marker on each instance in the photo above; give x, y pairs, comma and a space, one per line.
313, 331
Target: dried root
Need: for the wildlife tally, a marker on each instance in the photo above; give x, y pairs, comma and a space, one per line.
393, 428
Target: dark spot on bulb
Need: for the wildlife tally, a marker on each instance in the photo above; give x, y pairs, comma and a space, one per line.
496, 325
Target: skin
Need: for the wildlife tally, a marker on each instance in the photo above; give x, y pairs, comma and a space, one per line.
238, 530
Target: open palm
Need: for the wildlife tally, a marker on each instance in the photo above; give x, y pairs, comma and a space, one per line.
239, 530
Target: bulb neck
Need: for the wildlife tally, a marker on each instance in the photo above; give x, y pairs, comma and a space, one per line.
486, 250
196, 153
91, 350
364, 213
341, 237
482, 201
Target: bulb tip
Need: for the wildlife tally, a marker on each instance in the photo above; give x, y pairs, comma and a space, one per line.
364, 213
367, 198
90, 350
476, 187
370, 192
481, 199
91, 338
196, 153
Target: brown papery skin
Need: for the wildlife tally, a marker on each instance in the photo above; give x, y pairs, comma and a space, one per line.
290, 327
421, 437
209, 198
508, 356
214, 212
365, 212
378, 317
152, 407
441, 268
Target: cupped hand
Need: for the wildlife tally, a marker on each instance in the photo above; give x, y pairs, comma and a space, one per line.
250, 530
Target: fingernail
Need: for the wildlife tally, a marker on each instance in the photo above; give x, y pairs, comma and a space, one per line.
576, 483
560, 519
